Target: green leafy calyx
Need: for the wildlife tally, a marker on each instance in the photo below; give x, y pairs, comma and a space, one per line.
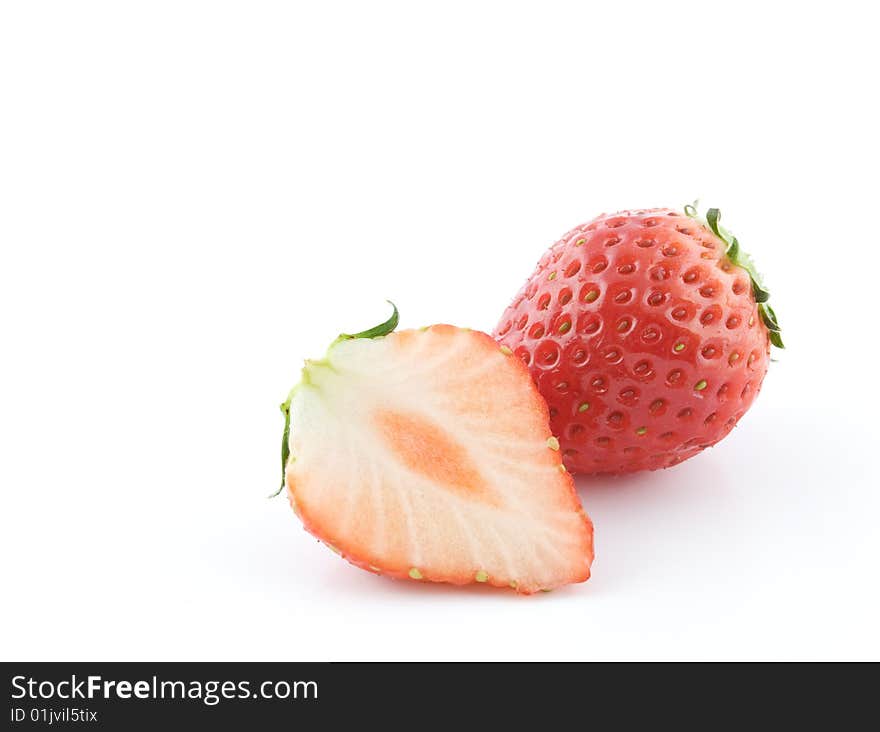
383, 329
741, 259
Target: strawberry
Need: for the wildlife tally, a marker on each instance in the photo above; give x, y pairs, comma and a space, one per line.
427, 455
648, 332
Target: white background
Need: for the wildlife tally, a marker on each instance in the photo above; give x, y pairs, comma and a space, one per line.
196, 196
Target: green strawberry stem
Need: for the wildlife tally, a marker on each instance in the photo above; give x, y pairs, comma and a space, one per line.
740, 259
377, 331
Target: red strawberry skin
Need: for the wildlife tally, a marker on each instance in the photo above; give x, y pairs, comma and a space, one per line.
642, 336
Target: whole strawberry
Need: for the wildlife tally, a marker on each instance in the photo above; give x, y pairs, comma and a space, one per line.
648, 333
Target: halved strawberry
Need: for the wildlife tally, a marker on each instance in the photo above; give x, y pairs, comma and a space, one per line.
427, 455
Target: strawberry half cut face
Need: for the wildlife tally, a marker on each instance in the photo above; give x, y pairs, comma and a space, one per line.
427, 455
